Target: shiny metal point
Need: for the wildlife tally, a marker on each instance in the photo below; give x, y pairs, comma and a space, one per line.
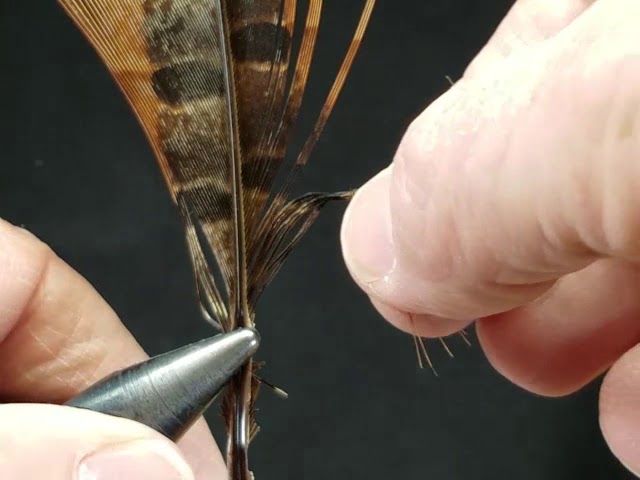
171, 391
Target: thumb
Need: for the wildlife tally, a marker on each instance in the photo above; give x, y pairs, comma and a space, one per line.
64, 443
507, 182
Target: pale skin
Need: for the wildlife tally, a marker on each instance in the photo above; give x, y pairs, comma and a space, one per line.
513, 200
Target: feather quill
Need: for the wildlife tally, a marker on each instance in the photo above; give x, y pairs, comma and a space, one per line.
217, 92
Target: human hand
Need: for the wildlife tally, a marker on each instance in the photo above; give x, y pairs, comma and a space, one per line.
515, 199
57, 337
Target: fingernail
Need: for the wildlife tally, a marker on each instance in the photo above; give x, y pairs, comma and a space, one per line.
366, 234
144, 459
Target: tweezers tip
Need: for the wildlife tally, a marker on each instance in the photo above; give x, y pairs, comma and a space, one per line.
248, 340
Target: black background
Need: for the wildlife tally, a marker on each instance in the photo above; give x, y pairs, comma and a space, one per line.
78, 172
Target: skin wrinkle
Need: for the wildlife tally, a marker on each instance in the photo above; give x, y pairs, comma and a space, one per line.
506, 152
504, 190
55, 357
40, 340
552, 173
595, 227
72, 341
68, 371
379, 289
71, 362
613, 218
410, 197
400, 161
60, 346
474, 213
587, 196
511, 156
545, 235
621, 225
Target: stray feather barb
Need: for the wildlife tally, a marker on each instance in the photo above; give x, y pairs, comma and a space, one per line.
217, 92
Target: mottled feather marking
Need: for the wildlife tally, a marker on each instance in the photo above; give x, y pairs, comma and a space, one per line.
187, 81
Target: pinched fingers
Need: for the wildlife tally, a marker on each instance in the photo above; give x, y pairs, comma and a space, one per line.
514, 199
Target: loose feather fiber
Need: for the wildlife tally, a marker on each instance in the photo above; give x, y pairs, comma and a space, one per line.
217, 91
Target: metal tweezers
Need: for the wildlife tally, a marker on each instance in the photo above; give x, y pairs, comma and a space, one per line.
171, 391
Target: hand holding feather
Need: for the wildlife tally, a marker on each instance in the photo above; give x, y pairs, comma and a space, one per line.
57, 337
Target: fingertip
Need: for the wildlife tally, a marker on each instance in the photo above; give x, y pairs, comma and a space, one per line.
369, 252
366, 234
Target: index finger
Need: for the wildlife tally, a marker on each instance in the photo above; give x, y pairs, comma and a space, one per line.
58, 336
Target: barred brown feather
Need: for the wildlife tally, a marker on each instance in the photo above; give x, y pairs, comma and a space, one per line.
217, 92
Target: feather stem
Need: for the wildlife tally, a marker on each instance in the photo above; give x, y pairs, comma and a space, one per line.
241, 312
238, 454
